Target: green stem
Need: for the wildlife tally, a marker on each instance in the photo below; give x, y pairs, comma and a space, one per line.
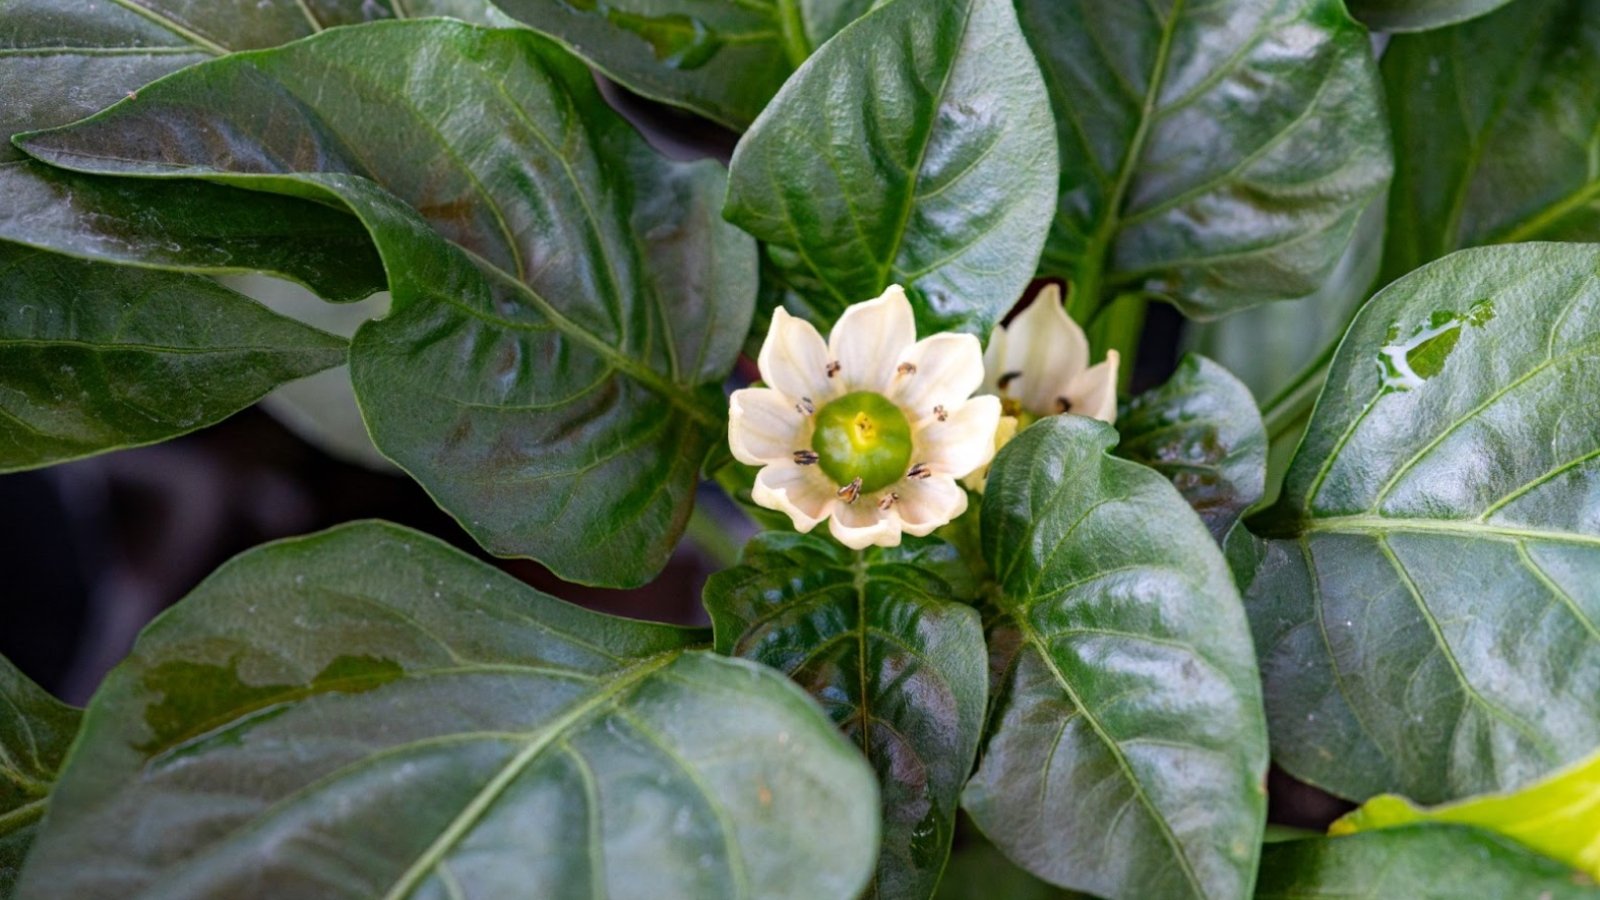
26, 814
1119, 327
794, 32
712, 538
1293, 403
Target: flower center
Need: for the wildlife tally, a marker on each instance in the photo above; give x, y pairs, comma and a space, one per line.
862, 435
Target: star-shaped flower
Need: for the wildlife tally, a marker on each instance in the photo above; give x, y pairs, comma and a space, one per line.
1039, 366
869, 430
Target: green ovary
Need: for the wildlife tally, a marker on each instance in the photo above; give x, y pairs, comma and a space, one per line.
863, 435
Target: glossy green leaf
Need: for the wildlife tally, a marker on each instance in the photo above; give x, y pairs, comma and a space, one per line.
1437, 862
195, 227
1419, 15
978, 869
96, 357
1267, 347
370, 713
1494, 125
1128, 754
915, 148
35, 732
1425, 611
1202, 430
1215, 154
566, 302
720, 58
1558, 816
61, 60
880, 639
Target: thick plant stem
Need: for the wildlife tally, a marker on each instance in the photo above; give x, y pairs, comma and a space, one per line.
1119, 327
793, 28
1292, 404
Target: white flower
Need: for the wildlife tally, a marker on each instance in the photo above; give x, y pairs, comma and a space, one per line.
869, 430
1039, 365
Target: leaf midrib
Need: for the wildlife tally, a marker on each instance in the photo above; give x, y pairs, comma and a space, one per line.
1093, 265
1375, 525
1036, 642
177, 28
888, 264
540, 740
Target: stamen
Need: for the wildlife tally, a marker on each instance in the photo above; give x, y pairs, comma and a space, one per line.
1007, 378
852, 490
907, 369
888, 501
833, 368
919, 471
940, 413
805, 457
805, 407
1063, 405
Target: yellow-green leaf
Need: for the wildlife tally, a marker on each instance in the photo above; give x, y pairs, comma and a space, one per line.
1558, 816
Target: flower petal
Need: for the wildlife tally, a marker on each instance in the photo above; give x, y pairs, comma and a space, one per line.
794, 358
1003, 433
862, 524
942, 370
801, 492
929, 503
1094, 392
962, 442
868, 339
765, 427
1041, 351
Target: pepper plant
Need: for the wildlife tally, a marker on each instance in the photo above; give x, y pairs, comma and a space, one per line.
1027, 588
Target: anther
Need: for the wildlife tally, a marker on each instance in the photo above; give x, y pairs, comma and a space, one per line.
805, 407
1007, 378
888, 501
940, 413
805, 458
919, 471
907, 369
833, 368
1063, 405
852, 490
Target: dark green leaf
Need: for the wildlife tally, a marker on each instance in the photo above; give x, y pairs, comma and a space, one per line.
978, 869
1432, 862
1128, 752
915, 148
723, 59
1437, 546
369, 713
61, 60
35, 731
1495, 125
96, 357
567, 303
1266, 347
1202, 430
1419, 15
896, 661
1216, 154
195, 227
